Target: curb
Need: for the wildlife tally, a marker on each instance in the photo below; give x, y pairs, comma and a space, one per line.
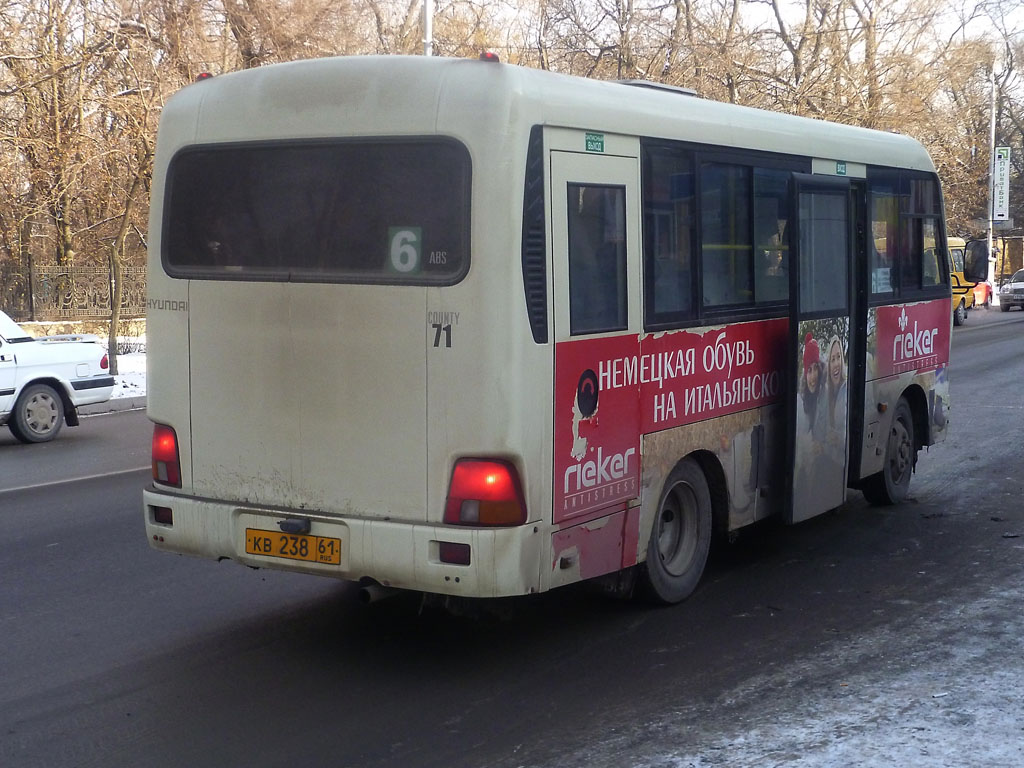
115, 405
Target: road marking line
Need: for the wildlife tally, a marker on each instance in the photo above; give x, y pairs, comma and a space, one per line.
73, 480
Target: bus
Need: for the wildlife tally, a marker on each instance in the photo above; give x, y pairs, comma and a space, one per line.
963, 290
472, 329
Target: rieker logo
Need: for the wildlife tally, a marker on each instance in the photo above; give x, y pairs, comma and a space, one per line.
913, 344
604, 469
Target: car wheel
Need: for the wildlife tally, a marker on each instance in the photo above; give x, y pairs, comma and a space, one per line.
960, 315
891, 485
38, 414
680, 538
1004, 307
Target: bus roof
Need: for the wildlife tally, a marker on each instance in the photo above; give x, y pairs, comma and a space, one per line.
344, 95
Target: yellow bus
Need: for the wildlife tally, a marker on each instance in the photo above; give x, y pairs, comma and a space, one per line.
963, 291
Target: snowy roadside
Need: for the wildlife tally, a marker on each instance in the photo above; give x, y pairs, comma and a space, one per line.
130, 380
940, 689
129, 387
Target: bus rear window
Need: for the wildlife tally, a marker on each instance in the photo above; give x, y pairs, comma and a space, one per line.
348, 211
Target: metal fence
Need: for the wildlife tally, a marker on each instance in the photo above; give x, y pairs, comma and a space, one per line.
66, 293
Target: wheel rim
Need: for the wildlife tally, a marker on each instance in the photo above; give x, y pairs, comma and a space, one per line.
41, 413
901, 452
677, 529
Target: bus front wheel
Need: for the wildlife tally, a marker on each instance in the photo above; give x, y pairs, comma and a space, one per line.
891, 485
960, 315
680, 537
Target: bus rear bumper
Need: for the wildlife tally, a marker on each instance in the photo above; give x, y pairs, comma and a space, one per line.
503, 562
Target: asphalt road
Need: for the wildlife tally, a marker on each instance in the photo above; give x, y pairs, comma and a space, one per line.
801, 642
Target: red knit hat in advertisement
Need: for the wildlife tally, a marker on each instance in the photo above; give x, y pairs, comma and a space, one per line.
811, 354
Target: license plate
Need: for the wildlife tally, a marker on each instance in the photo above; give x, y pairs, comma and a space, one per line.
310, 549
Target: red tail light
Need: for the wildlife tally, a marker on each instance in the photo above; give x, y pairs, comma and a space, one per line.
166, 465
104, 362
485, 492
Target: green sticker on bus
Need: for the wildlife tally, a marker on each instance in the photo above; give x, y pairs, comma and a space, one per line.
840, 169
595, 142
404, 247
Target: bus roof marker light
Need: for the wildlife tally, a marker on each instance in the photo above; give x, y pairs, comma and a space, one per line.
490, 56
484, 492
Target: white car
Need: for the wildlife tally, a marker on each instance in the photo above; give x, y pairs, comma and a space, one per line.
1012, 292
44, 381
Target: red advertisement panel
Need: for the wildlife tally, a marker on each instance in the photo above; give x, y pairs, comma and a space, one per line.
597, 427
688, 376
909, 337
609, 391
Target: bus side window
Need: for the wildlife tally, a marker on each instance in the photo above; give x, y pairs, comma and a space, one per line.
726, 247
824, 245
597, 258
884, 243
957, 256
931, 273
771, 215
919, 208
669, 229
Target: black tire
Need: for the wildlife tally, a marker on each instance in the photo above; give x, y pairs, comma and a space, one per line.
960, 315
38, 414
677, 550
892, 484
1004, 307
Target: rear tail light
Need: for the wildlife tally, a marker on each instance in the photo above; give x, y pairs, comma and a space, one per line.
166, 465
485, 492
105, 362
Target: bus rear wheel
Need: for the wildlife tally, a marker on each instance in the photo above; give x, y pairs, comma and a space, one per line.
677, 550
892, 484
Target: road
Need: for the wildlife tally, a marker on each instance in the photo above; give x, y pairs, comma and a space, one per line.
863, 637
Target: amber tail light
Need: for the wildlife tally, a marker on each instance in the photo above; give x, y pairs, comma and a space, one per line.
485, 492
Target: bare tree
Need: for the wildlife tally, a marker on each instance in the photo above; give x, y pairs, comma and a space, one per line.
82, 81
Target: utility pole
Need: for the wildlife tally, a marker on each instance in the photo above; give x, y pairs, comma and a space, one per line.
992, 181
428, 28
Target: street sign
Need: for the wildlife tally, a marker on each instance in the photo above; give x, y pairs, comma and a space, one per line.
1001, 185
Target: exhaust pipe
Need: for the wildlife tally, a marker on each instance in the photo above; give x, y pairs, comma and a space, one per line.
371, 593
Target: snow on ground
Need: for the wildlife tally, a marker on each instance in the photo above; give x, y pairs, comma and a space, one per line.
130, 380
937, 690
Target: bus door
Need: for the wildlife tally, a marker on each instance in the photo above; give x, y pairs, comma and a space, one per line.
818, 426
595, 236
